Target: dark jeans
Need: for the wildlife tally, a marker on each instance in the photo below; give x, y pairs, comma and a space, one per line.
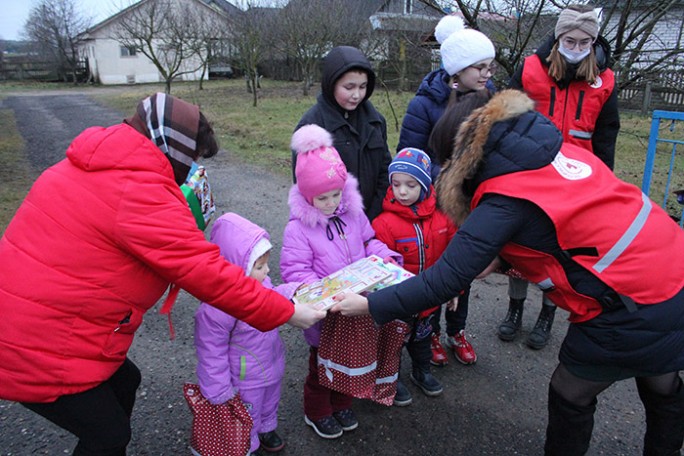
99, 417
320, 401
455, 320
418, 345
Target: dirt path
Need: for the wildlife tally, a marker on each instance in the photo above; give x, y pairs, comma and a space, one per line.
497, 407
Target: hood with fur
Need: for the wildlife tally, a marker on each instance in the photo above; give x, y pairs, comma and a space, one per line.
504, 136
301, 209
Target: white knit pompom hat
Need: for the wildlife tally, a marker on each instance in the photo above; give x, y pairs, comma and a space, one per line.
463, 48
446, 26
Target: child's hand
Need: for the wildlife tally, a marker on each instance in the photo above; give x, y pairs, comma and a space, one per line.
305, 316
391, 260
452, 305
350, 305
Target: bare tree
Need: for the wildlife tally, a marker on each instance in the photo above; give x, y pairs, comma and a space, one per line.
54, 26
252, 37
517, 26
310, 28
168, 33
397, 41
212, 36
638, 49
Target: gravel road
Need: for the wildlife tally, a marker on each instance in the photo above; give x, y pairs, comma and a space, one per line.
496, 407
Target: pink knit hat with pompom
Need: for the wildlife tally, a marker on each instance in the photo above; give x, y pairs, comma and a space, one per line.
319, 167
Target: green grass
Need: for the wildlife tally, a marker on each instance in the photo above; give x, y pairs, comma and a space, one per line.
631, 157
14, 174
261, 134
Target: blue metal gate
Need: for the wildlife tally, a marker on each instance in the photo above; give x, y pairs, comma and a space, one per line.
671, 183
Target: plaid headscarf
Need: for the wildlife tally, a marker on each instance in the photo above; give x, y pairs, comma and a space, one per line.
172, 124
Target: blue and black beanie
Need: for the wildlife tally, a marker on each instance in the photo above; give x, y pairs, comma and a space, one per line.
415, 163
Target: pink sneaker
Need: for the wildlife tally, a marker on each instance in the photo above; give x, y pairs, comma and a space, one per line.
462, 349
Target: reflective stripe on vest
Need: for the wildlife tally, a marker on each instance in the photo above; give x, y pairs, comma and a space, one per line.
627, 238
609, 227
580, 134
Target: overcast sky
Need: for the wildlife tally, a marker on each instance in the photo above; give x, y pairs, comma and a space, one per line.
14, 13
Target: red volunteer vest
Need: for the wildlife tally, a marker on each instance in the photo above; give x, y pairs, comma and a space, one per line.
636, 243
574, 110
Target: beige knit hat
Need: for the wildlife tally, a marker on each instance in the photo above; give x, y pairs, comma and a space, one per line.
572, 19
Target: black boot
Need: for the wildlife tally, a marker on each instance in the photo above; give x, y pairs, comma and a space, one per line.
539, 336
664, 422
569, 430
509, 328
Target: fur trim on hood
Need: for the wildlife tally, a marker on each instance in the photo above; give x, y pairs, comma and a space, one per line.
351, 203
468, 154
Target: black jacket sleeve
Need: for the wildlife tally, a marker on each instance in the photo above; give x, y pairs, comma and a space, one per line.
479, 240
606, 130
383, 178
516, 80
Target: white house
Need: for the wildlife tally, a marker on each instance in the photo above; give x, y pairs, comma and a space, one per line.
112, 61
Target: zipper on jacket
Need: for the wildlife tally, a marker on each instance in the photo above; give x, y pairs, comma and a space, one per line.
421, 246
124, 321
552, 101
579, 105
243, 361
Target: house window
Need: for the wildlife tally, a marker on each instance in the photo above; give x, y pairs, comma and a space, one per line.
127, 51
408, 6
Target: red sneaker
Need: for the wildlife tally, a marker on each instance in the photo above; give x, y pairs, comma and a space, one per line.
439, 355
462, 349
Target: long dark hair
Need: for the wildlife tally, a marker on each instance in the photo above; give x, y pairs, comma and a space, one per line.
443, 134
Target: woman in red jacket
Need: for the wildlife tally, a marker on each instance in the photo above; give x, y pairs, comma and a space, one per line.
95, 244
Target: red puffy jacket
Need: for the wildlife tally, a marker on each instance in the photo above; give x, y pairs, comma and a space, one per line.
97, 241
420, 232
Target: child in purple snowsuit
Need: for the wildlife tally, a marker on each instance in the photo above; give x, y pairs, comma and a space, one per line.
232, 356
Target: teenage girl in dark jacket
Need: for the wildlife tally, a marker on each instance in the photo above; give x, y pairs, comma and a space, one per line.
359, 131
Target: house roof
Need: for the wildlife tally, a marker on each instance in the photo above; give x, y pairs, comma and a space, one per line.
635, 4
382, 14
403, 22
220, 6
223, 5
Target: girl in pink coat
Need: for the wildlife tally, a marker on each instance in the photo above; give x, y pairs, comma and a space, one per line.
233, 356
327, 230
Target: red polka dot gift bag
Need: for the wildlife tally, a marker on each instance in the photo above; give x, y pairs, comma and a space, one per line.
358, 358
218, 430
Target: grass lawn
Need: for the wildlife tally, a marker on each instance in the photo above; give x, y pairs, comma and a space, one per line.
261, 134
14, 173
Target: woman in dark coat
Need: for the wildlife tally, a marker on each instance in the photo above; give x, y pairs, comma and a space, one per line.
557, 214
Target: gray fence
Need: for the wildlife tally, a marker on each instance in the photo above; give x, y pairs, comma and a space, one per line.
662, 92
